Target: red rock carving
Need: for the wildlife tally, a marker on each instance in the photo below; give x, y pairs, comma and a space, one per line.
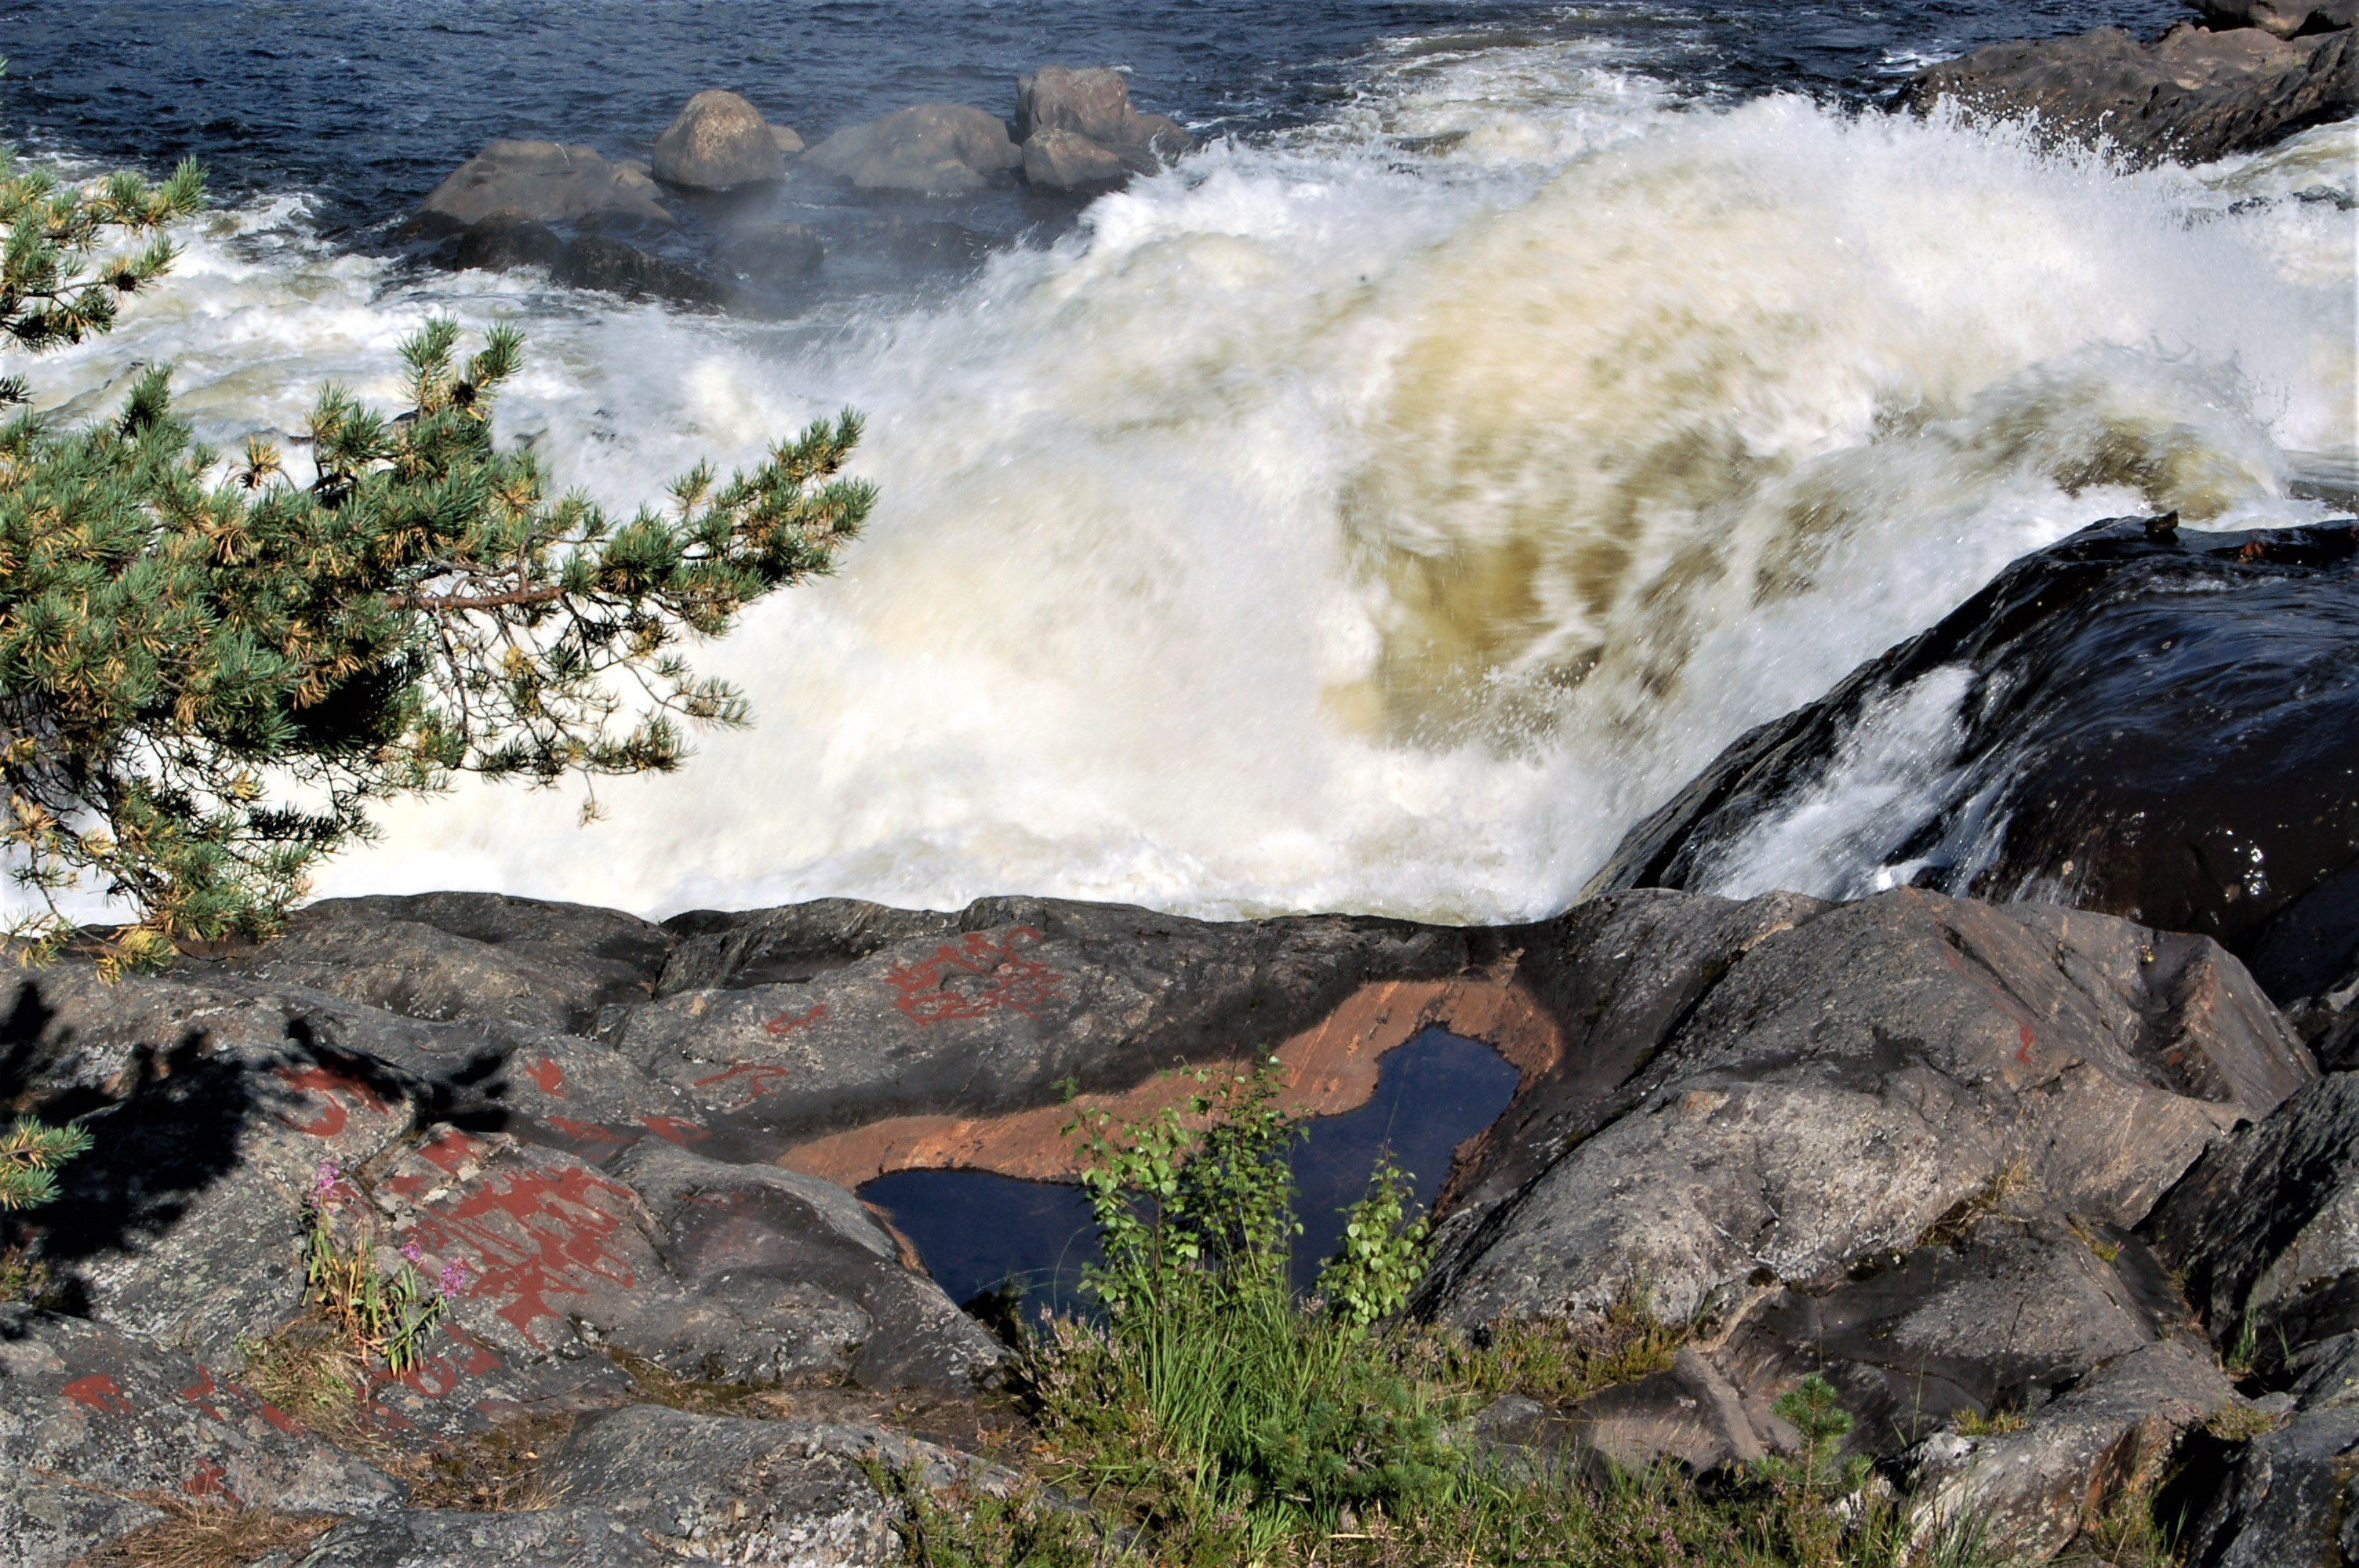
586, 1131
548, 1074
1011, 980
673, 1129
324, 1084
753, 1080
786, 1024
530, 1235
209, 1481
198, 1392
99, 1393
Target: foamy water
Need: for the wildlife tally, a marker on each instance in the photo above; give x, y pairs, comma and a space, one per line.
1379, 518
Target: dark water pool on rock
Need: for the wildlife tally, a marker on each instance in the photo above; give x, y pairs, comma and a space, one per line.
976, 1231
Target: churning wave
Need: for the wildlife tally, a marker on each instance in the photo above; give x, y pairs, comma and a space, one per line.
1381, 516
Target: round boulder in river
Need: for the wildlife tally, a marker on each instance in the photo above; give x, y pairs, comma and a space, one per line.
718, 143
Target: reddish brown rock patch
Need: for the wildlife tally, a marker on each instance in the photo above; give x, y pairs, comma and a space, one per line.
1329, 1068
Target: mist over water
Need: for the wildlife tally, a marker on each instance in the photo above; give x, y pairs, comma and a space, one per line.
1379, 513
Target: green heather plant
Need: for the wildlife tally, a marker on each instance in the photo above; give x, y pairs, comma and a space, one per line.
210, 669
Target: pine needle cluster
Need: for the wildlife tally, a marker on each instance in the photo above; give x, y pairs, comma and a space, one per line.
30, 1153
209, 668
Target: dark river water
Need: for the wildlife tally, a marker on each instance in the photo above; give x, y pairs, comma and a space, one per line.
367, 105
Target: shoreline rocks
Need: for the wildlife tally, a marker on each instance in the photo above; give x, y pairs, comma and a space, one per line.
931, 148
1914, 1144
2258, 71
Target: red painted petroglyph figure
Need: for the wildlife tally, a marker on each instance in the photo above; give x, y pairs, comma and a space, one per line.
750, 1080
325, 1085
209, 1481
786, 1024
673, 1129
548, 1074
1010, 980
532, 1234
587, 1131
99, 1393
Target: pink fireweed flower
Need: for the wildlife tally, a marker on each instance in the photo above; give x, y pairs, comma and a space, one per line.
454, 1277
410, 1250
325, 1179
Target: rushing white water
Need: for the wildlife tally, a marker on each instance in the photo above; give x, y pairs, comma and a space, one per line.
1380, 520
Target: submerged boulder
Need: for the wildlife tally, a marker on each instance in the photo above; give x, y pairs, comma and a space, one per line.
935, 148
2104, 708
2192, 95
719, 142
545, 182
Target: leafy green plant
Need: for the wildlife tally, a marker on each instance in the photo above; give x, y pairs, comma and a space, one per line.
1382, 1255
1245, 1414
211, 670
376, 1314
30, 1153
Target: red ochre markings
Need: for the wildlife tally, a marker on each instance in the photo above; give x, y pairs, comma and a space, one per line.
750, 1080
533, 1235
674, 1130
197, 1393
1013, 981
436, 1376
787, 1022
99, 1393
209, 1481
588, 1132
325, 1085
2023, 1055
549, 1075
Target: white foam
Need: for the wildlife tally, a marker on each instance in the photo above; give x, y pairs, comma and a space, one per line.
1354, 521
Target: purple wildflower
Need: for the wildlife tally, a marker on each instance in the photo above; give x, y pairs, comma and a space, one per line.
410, 1250
324, 1180
454, 1277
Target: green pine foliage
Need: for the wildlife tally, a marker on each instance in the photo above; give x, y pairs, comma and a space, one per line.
210, 669
30, 1153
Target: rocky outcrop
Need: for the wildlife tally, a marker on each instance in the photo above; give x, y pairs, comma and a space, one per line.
2114, 697
1906, 1144
2266, 1230
544, 183
2267, 1227
1791, 1124
1078, 130
1901, 1144
98, 1429
2285, 18
934, 149
2192, 95
719, 142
